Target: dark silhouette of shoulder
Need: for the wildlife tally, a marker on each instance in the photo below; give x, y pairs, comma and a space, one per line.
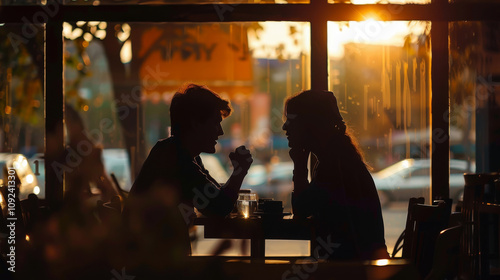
161, 166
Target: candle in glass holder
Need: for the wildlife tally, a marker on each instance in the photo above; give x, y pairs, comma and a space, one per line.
246, 204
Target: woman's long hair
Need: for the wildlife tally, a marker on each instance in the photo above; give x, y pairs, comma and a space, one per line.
320, 111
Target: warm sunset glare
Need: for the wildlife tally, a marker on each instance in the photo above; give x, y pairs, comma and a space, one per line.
370, 31
249, 139
365, 2
382, 262
264, 42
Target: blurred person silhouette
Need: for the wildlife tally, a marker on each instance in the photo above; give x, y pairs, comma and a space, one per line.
174, 172
69, 242
341, 196
87, 168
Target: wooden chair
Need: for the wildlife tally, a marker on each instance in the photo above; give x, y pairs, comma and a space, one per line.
423, 225
32, 211
400, 242
110, 212
456, 219
481, 211
446, 254
123, 193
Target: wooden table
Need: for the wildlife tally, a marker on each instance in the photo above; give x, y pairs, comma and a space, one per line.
259, 267
307, 268
258, 229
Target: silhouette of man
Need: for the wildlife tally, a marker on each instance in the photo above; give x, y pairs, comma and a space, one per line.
174, 175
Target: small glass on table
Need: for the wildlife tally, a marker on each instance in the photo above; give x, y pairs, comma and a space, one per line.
246, 204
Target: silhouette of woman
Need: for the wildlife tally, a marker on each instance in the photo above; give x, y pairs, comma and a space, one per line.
341, 196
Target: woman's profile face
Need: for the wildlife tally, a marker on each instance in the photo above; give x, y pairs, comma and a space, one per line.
296, 132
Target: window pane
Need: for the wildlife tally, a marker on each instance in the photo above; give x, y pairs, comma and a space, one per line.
220, 6
118, 91
90, 108
379, 72
255, 65
465, 81
22, 107
474, 91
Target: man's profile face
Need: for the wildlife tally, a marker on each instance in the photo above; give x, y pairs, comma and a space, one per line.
207, 133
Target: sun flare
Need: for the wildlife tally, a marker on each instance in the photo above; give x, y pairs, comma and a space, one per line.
370, 31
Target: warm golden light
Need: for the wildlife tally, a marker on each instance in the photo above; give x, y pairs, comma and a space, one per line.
370, 31
381, 262
126, 52
371, 19
101, 34
30, 178
376, 29
277, 262
27, 238
17, 162
88, 37
294, 37
67, 29
364, 2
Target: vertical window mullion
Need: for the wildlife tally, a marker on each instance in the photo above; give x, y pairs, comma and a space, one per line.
54, 113
319, 48
440, 109
319, 55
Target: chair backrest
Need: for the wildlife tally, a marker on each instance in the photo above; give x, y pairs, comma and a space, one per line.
400, 242
123, 193
479, 188
110, 212
424, 224
446, 254
407, 235
456, 219
29, 208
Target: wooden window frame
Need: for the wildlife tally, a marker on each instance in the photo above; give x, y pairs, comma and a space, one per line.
318, 12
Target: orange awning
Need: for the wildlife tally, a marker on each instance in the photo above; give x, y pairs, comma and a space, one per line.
214, 55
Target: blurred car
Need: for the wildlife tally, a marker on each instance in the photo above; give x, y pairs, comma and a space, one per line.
411, 178
37, 164
115, 161
28, 180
